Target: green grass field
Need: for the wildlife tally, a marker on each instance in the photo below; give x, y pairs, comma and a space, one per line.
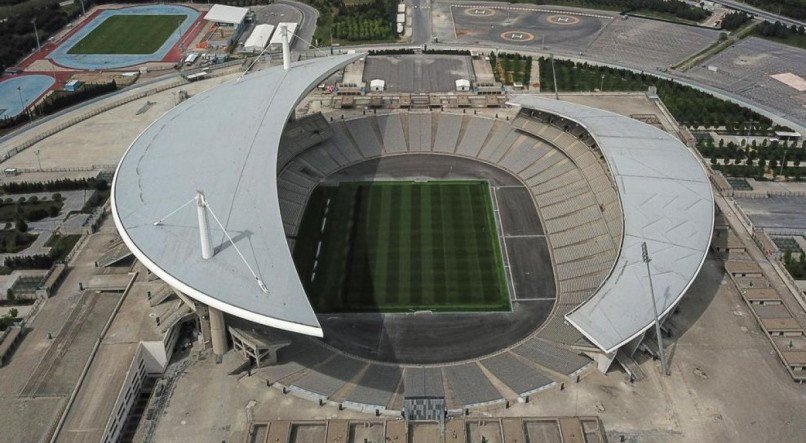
129, 34
400, 247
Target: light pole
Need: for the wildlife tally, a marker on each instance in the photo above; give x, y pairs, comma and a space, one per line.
783, 163
554, 74
647, 259
83, 11
36, 33
22, 104
38, 160
601, 85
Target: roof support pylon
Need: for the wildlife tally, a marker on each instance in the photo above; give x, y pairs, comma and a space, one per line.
286, 48
204, 228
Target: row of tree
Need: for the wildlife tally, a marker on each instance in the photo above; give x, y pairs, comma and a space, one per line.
755, 160
64, 184
39, 261
796, 268
374, 20
790, 8
510, 68
363, 29
8, 319
57, 101
735, 20
779, 30
688, 105
677, 8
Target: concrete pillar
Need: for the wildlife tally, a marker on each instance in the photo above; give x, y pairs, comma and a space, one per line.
603, 361
203, 315
218, 331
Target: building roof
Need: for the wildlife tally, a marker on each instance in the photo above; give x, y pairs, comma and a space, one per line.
667, 202
742, 267
277, 38
224, 142
259, 37
226, 14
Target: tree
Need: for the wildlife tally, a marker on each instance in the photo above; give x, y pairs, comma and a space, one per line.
21, 225
13, 312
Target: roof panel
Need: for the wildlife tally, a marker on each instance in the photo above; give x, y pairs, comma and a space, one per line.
667, 202
223, 142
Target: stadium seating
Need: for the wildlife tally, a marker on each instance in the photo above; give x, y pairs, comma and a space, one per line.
580, 213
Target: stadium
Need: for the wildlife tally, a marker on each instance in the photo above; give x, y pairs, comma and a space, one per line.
414, 260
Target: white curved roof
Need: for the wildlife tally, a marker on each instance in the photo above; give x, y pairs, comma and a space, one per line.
224, 142
667, 202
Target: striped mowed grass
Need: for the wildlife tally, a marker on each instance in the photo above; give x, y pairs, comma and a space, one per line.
401, 247
129, 34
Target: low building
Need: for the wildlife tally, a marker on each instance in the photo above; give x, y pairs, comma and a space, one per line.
259, 38
73, 85
224, 15
229, 21
463, 85
377, 85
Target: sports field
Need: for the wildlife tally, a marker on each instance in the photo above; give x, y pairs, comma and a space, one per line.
129, 34
401, 247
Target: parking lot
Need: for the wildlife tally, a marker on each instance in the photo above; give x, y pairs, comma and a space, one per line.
420, 73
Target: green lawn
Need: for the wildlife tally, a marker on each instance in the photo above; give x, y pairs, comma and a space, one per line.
129, 34
400, 247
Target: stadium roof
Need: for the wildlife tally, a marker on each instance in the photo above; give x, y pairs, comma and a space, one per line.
224, 142
667, 202
226, 14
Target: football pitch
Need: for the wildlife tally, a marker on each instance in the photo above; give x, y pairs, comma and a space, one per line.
401, 247
129, 34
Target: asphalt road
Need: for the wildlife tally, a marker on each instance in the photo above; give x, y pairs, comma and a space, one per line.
420, 21
760, 13
306, 27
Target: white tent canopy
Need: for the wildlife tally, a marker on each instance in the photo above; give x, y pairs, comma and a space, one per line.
259, 38
226, 14
377, 85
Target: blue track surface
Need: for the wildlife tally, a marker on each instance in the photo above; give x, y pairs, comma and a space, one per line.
115, 61
31, 87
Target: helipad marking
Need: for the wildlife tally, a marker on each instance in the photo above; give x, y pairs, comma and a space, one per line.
517, 36
550, 11
563, 20
480, 12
